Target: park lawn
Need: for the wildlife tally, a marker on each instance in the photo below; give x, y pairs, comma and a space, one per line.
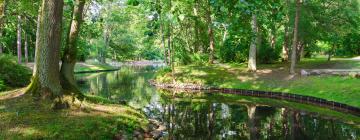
90, 67
273, 77
23, 118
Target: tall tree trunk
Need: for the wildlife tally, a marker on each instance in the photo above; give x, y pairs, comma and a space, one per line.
106, 45
285, 48
169, 45
254, 43
273, 38
295, 41
197, 46
70, 52
2, 19
170, 48
46, 82
19, 39
225, 34
163, 39
26, 46
300, 51
330, 53
210, 34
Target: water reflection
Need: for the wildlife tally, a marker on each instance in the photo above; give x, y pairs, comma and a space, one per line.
186, 118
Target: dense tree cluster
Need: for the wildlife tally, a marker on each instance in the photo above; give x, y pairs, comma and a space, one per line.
177, 31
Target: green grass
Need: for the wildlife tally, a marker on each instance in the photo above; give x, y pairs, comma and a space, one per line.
24, 118
274, 77
84, 67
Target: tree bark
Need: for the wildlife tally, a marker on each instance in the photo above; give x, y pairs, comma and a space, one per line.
197, 46
106, 45
300, 51
225, 34
254, 43
330, 53
285, 48
163, 39
273, 38
171, 48
26, 49
19, 39
46, 82
2, 18
295, 41
210, 34
70, 52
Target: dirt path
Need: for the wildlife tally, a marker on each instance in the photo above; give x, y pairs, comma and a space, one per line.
12, 94
356, 58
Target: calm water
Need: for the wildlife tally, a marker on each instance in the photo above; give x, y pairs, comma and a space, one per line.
205, 118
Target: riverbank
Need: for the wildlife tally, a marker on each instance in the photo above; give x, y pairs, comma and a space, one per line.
274, 78
21, 117
83, 67
196, 96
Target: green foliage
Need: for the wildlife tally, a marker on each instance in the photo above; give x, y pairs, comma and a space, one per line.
233, 51
13, 74
2, 85
267, 55
351, 45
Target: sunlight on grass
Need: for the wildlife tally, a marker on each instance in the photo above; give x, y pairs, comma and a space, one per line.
24, 118
274, 78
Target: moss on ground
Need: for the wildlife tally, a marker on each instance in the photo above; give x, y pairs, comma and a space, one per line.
273, 77
22, 117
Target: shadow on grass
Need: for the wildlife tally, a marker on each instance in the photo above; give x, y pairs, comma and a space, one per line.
23, 118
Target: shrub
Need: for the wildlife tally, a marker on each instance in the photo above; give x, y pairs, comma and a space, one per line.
2, 85
13, 74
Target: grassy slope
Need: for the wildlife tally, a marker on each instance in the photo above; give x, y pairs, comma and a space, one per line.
81, 67
275, 78
23, 118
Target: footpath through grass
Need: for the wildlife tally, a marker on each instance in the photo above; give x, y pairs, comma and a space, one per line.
274, 77
21, 117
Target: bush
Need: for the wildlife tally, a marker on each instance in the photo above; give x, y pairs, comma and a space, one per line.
268, 55
233, 51
2, 85
12, 74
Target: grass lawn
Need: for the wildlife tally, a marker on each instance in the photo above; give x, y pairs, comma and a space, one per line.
274, 77
83, 67
21, 117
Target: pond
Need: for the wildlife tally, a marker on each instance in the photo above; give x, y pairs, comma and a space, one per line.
211, 116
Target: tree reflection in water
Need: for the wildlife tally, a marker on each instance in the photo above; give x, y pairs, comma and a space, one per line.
189, 118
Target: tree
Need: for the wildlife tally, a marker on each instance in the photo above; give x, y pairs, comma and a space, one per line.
285, 48
210, 33
295, 41
26, 49
254, 43
2, 18
70, 52
19, 39
45, 82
